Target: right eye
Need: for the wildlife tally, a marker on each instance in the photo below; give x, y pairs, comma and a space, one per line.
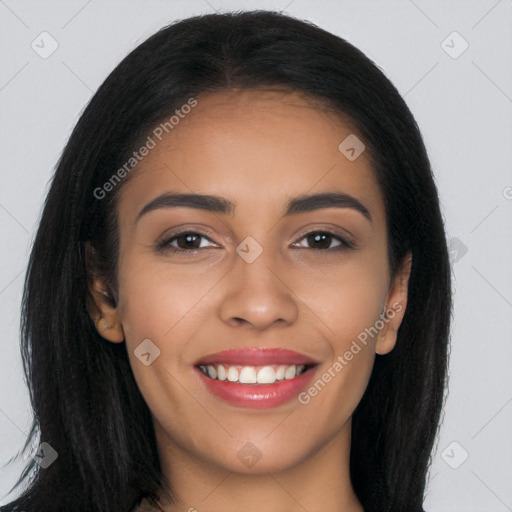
184, 241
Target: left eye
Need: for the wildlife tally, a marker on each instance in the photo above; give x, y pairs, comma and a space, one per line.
322, 240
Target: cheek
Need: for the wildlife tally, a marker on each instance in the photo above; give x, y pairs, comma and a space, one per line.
349, 308
167, 305
343, 300
155, 304
347, 301
156, 297
334, 394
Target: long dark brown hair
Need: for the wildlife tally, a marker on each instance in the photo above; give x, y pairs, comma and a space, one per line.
86, 403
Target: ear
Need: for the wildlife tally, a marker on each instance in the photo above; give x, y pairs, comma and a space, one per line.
100, 302
394, 308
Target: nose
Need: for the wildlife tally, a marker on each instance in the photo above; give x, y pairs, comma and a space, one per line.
258, 295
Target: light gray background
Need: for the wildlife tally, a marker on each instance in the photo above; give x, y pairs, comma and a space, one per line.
463, 106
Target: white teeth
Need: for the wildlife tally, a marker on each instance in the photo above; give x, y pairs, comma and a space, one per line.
253, 374
232, 374
221, 372
290, 372
247, 375
266, 375
280, 373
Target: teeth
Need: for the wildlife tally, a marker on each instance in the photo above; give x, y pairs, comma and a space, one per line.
266, 375
232, 374
290, 372
253, 374
221, 372
247, 375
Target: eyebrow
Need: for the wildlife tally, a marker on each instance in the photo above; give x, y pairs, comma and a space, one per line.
216, 204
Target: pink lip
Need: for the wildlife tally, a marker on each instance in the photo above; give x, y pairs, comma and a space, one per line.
256, 357
256, 396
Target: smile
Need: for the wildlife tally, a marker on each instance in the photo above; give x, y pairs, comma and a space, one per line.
255, 378
253, 374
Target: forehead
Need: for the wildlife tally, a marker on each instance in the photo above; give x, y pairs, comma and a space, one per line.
254, 147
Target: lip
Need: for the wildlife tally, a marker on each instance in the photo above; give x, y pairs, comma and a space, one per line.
256, 396
256, 357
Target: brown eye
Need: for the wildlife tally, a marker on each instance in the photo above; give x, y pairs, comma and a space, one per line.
324, 240
186, 241
320, 240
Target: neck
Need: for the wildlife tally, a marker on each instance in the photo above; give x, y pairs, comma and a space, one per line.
318, 483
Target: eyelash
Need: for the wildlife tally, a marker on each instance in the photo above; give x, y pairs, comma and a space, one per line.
164, 244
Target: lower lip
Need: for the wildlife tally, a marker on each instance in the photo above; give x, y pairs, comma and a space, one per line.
257, 396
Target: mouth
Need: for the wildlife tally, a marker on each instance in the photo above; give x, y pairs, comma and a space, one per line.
268, 374
256, 378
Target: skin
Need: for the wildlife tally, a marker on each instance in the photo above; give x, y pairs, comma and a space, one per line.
258, 149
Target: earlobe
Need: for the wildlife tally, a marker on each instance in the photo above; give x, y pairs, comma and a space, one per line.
112, 331
386, 339
394, 309
101, 306
104, 314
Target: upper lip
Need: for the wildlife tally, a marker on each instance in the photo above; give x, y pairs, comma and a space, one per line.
256, 357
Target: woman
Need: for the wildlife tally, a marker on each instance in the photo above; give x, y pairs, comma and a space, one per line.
239, 293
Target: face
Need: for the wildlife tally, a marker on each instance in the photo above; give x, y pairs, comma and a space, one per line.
270, 282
